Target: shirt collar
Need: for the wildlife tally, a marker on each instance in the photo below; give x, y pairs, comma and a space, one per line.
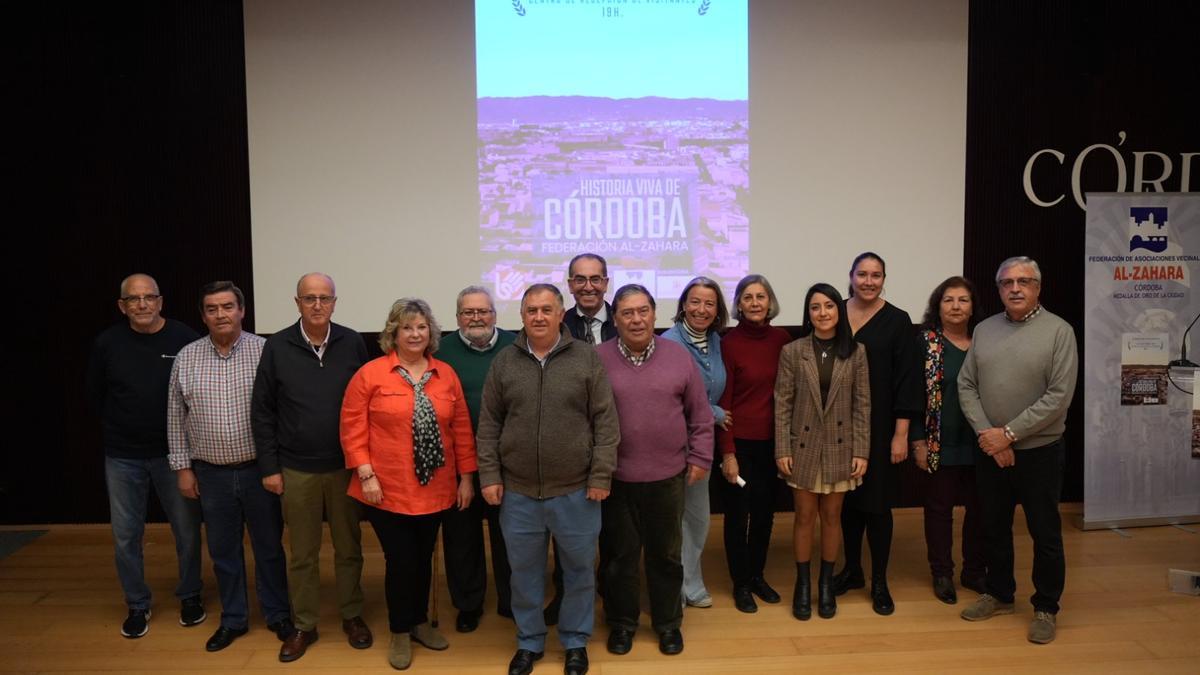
529, 348
636, 359
394, 363
1032, 313
312, 343
601, 314
491, 343
232, 348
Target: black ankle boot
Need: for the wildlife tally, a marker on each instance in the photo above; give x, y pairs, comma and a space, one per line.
826, 600
802, 596
881, 599
849, 578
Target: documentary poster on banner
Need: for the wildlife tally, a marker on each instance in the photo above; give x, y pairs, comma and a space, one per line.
1144, 359
1142, 268
616, 128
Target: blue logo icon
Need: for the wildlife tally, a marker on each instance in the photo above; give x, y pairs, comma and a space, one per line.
1149, 226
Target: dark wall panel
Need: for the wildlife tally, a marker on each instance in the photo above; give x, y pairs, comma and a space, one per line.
140, 119
1066, 75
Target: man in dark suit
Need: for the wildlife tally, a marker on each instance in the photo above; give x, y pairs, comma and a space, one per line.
591, 318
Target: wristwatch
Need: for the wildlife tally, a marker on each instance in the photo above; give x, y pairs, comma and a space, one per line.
1012, 438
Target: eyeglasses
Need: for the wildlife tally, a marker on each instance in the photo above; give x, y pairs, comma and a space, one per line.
149, 299
310, 300
1023, 282
580, 280
474, 313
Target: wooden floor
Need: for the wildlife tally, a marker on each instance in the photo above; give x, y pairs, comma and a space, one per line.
61, 610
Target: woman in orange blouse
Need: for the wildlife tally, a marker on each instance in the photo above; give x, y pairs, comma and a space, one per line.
406, 430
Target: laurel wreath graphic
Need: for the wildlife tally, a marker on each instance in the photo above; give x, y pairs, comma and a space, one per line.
701, 10
518, 7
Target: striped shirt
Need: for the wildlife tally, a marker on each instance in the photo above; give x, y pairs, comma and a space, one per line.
208, 403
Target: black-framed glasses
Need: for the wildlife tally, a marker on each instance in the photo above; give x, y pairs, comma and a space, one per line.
149, 299
310, 300
580, 280
475, 313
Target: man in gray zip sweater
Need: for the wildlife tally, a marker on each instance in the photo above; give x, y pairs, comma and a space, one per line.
1015, 388
547, 446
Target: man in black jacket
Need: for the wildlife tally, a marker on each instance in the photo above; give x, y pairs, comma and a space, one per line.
295, 411
591, 318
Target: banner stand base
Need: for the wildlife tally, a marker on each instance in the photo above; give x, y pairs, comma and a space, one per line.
1084, 524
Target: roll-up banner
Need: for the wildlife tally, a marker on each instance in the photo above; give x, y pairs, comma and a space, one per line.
1142, 262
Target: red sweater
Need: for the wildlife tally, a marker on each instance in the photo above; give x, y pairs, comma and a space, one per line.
751, 355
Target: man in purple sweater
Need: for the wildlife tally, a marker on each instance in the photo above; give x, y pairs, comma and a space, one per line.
666, 444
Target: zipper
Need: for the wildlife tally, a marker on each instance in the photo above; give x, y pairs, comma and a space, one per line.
538, 445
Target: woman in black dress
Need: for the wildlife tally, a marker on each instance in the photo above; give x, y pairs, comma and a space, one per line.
887, 333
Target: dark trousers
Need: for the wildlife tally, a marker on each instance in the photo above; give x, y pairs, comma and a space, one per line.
878, 527
637, 518
944, 488
234, 501
407, 543
1034, 482
750, 510
466, 568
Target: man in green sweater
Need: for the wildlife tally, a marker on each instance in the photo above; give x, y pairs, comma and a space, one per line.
470, 352
1015, 387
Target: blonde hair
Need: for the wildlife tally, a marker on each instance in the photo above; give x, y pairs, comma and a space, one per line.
404, 310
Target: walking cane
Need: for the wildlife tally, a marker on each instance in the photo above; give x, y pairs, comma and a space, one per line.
434, 581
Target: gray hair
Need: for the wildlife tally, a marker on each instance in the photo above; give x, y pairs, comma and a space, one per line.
403, 310
543, 288
474, 290
1020, 260
772, 305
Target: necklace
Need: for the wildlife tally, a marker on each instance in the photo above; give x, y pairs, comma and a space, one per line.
824, 346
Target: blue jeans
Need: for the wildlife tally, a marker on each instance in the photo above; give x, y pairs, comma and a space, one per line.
527, 524
233, 499
129, 482
696, 517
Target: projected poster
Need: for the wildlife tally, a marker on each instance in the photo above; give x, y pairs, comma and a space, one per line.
619, 128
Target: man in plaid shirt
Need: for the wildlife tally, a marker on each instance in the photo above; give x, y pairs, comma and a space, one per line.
212, 454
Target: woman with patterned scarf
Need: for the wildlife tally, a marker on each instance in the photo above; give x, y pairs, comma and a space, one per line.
945, 444
407, 432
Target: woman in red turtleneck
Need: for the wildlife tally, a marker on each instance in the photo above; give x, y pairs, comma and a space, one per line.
751, 354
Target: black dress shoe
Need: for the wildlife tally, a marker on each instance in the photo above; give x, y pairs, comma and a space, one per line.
577, 661
762, 589
467, 621
282, 628
550, 613
670, 642
744, 600
848, 579
522, 662
943, 589
620, 641
881, 599
223, 638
